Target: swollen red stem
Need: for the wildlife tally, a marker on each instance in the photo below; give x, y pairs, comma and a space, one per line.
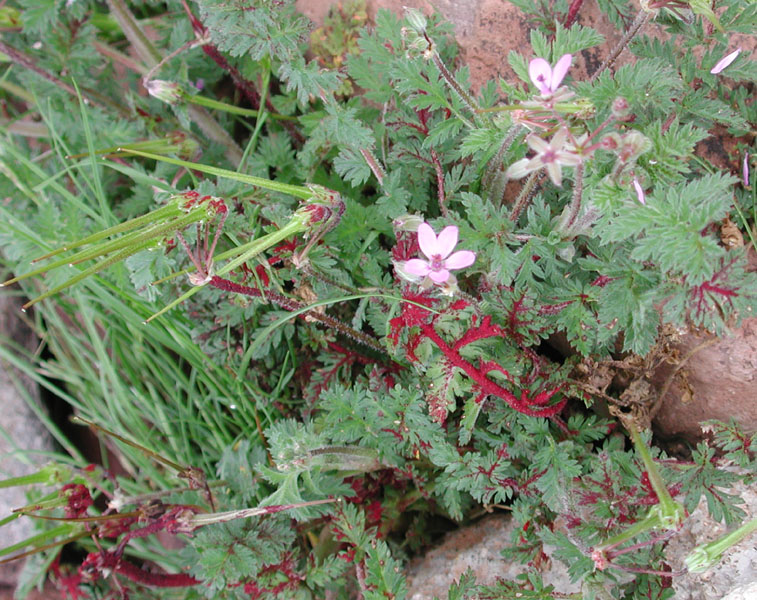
479, 375
570, 18
163, 580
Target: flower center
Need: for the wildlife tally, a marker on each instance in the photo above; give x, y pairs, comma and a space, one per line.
549, 156
437, 263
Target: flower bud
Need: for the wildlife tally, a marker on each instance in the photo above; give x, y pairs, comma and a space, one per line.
417, 47
415, 19
621, 110
407, 223
165, 91
633, 145
611, 141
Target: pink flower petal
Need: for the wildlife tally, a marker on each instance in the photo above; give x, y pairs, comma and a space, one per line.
560, 70
447, 240
439, 276
427, 240
541, 74
640, 195
568, 159
460, 260
558, 140
725, 61
745, 170
555, 173
537, 144
416, 266
519, 169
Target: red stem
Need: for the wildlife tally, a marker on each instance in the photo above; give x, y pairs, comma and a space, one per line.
570, 18
486, 384
164, 580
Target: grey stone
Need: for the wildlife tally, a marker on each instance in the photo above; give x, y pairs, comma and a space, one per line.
737, 568
23, 432
477, 547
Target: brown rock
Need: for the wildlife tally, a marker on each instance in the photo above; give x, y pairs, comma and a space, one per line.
719, 381
487, 30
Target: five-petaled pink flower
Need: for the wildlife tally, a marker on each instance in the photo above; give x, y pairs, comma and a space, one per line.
438, 251
554, 155
545, 77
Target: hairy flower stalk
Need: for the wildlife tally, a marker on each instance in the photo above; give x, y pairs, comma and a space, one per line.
524, 197
642, 18
493, 168
425, 46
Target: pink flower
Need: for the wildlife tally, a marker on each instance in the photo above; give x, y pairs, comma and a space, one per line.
725, 61
438, 251
640, 195
552, 155
547, 79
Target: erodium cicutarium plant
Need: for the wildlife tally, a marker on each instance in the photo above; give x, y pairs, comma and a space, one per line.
322, 298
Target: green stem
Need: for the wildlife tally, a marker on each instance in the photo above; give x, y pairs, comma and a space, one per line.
651, 521
704, 556
230, 108
298, 191
39, 538
669, 507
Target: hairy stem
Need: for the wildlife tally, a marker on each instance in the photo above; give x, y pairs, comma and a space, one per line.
524, 197
496, 162
439, 183
639, 22
575, 203
292, 305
